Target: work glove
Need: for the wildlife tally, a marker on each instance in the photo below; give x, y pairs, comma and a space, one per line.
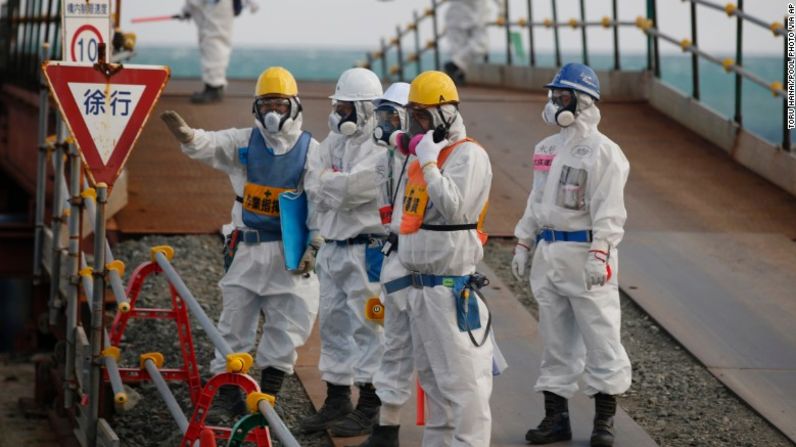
307, 263
427, 150
597, 270
181, 130
522, 252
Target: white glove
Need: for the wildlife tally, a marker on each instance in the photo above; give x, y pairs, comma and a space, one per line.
307, 263
597, 269
519, 265
427, 150
181, 130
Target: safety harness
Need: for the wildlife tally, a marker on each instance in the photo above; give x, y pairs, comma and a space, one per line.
462, 287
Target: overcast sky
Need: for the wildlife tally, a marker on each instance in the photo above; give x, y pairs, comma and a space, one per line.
360, 23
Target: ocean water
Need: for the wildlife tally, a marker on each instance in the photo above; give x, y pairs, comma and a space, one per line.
762, 114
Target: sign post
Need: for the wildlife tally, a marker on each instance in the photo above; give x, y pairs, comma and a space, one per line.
105, 107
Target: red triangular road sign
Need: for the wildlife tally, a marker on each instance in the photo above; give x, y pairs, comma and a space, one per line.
105, 115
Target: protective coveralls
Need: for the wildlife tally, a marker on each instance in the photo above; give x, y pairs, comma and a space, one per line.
583, 189
465, 28
346, 181
456, 375
257, 280
578, 182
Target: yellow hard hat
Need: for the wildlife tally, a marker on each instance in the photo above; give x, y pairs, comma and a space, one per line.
432, 88
276, 81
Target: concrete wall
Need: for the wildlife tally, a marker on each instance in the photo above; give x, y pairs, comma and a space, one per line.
762, 157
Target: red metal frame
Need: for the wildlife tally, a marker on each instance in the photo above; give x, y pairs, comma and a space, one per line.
261, 436
189, 373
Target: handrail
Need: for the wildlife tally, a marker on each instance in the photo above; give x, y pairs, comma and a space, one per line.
731, 9
646, 24
728, 64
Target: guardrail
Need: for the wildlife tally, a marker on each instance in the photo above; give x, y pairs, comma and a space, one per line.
645, 24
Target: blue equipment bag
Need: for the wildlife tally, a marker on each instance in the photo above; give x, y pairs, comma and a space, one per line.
293, 219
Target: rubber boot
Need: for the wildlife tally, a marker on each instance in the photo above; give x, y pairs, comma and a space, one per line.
455, 72
271, 381
336, 406
363, 418
209, 95
555, 425
605, 409
230, 398
382, 436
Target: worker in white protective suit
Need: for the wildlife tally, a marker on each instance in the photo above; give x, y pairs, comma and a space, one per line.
346, 182
214, 23
440, 243
393, 380
574, 218
262, 161
466, 32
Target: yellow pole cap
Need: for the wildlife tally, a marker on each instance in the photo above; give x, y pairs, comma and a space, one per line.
547, 22
685, 44
411, 26
123, 307
730, 8
89, 193
120, 397
394, 70
86, 271
116, 265
430, 43
112, 351
522, 22
429, 12
239, 362
606, 22
156, 357
50, 140
775, 87
253, 401
727, 64
573, 23
775, 27
500, 21
167, 251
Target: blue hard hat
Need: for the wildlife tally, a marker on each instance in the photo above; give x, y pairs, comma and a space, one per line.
578, 77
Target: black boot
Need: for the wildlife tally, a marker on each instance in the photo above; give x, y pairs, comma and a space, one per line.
605, 409
271, 381
555, 425
230, 398
363, 418
209, 95
382, 436
336, 406
455, 72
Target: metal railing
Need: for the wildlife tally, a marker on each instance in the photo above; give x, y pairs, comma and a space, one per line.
647, 24
24, 26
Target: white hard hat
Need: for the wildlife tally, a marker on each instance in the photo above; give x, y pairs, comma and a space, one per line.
398, 93
357, 84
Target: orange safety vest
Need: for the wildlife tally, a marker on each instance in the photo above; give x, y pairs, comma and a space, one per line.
416, 195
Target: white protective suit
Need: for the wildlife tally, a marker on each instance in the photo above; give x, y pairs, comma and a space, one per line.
214, 22
257, 280
393, 381
465, 28
580, 327
346, 182
456, 375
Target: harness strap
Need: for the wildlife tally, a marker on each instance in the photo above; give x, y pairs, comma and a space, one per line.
451, 227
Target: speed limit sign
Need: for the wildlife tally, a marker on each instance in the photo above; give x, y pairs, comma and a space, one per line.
86, 24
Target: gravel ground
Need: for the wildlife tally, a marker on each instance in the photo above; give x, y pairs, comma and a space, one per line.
198, 260
673, 397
